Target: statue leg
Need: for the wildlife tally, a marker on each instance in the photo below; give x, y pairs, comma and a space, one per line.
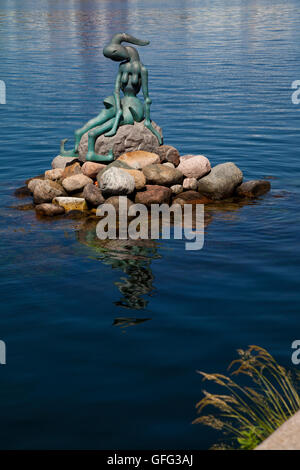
104, 116
93, 134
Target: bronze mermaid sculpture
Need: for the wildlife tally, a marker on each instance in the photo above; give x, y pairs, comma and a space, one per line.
132, 76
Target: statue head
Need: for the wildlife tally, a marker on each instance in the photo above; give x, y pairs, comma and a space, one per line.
116, 51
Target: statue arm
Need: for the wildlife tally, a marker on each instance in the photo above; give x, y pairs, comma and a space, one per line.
148, 101
118, 107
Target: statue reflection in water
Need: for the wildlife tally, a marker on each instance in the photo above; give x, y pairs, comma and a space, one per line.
132, 257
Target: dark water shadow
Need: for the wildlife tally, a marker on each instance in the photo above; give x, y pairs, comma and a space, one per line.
131, 257
125, 322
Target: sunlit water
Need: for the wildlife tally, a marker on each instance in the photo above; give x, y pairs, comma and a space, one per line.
103, 344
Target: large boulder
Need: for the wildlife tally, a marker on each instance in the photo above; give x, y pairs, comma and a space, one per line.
32, 184
49, 209
61, 162
71, 170
91, 169
116, 182
76, 183
93, 195
153, 195
190, 184
71, 203
167, 153
128, 137
39, 177
114, 164
194, 166
221, 182
253, 188
162, 175
190, 197
139, 178
54, 175
115, 202
139, 159
46, 190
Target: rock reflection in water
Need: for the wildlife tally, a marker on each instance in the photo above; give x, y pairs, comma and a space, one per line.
228, 209
132, 257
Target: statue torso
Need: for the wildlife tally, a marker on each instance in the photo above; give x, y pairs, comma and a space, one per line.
130, 77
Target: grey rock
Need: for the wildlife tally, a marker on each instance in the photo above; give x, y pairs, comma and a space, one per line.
54, 175
253, 188
190, 184
139, 178
115, 164
115, 182
128, 138
162, 175
93, 195
46, 190
221, 181
32, 184
61, 162
76, 182
176, 189
49, 210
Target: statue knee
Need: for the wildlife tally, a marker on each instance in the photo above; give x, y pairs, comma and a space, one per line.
92, 135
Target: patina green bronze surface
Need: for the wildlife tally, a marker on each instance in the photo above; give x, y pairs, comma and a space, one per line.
132, 76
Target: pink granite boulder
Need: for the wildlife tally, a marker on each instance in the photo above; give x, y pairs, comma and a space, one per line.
194, 166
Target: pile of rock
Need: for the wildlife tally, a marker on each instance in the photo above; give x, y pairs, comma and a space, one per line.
144, 177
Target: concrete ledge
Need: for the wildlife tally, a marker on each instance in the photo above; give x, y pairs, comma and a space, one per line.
287, 437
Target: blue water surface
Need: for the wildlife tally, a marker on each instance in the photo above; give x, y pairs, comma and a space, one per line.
103, 345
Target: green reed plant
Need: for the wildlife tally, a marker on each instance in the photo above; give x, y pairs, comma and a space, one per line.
249, 414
